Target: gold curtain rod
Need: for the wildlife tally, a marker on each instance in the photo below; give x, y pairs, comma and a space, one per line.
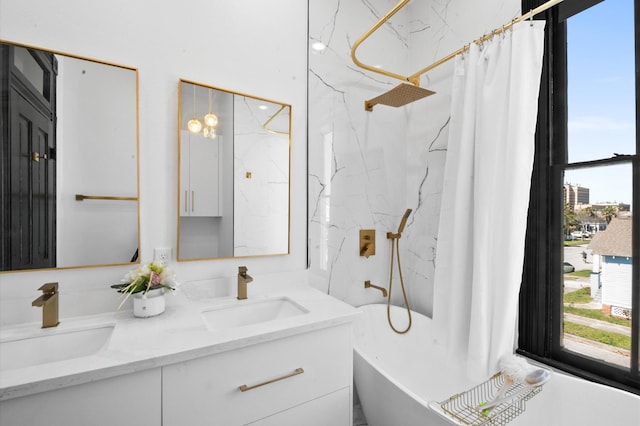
415, 77
266, 123
366, 35
80, 197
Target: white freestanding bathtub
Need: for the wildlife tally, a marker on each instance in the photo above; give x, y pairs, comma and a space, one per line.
397, 376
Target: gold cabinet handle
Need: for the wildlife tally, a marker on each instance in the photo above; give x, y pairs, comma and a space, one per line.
80, 197
193, 201
245, 388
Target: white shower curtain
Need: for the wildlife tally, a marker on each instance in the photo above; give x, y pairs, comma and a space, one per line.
486, 196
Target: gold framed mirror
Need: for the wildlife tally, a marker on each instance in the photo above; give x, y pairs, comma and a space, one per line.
68, 161
234, 174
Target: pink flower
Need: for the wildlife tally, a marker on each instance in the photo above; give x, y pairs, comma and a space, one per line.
155, 279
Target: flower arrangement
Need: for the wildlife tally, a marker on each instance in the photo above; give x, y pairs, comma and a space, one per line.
152, 276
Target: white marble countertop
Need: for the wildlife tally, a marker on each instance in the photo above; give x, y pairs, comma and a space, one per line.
177, 335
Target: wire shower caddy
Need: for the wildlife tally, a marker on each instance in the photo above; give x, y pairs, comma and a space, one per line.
465, 408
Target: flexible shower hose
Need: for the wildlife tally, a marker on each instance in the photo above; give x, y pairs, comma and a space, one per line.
396, 247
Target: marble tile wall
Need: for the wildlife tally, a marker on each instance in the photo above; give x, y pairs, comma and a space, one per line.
366, 168
261, 181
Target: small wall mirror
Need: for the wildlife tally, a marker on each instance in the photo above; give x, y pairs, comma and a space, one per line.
68, 160
234, 180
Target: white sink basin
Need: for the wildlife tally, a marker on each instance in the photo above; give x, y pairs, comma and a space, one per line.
52, 346
247, 312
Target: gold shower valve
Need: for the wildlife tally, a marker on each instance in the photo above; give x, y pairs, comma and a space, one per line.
367, 242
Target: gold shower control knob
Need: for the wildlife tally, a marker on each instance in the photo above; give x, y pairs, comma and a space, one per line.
367, 242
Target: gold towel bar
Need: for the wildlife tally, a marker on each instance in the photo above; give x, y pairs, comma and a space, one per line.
245, 388
80, 197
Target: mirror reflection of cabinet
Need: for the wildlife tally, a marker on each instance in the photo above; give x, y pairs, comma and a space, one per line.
199, 175
253, 137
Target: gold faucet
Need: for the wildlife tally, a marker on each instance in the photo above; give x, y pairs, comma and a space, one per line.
243, 280
367, 284
49, 303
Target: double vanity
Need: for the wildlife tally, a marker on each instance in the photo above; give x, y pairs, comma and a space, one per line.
282, 356
276, 358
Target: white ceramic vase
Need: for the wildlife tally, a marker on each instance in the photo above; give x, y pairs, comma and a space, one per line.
148, 304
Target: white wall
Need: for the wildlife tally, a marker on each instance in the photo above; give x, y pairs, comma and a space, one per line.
366, 168
251, 46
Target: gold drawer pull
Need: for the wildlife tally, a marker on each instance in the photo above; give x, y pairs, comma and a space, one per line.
245, 388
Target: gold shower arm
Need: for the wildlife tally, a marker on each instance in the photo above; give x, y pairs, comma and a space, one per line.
415, 77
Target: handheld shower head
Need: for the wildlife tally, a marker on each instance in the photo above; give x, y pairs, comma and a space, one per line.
403, 222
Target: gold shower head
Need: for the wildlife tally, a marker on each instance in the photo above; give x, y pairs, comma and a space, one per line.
399, 96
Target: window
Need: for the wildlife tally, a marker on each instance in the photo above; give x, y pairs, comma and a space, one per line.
580, 296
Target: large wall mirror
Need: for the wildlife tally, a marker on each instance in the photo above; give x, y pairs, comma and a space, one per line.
68, 160
234, 175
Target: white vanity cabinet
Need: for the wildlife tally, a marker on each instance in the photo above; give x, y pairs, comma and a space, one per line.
304, 379
132, 399
328, 410
199, 175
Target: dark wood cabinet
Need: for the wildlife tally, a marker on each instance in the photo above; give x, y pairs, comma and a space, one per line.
27, 158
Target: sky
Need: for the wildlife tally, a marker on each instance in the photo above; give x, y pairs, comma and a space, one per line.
601, 97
